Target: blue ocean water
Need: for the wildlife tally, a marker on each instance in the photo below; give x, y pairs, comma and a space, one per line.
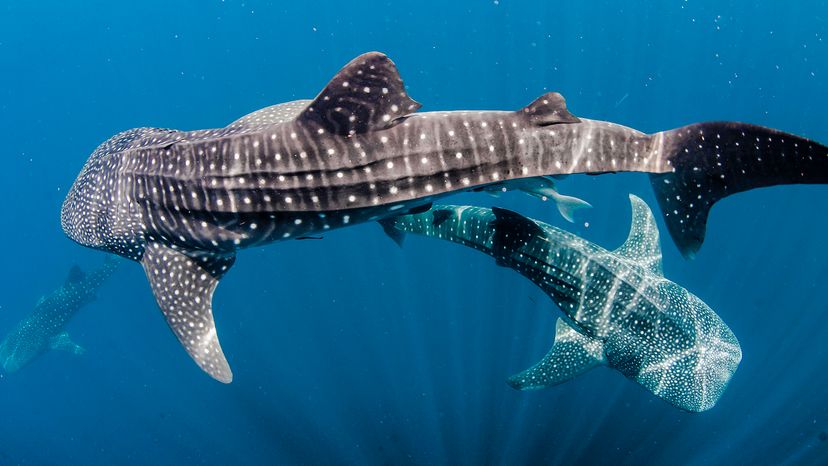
351, 350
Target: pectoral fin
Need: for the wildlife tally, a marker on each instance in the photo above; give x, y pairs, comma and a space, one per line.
397, 236
62, 342
571, 355
183, 286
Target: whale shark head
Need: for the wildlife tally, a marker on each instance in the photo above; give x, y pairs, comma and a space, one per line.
83, 209
79, 215
89, 206
15, 352
689, 357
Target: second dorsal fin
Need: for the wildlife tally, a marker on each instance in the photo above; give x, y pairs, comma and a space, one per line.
548, 109
366, 95
76, 275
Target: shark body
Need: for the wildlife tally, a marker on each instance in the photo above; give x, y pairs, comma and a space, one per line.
183, 202
618, 308
43, 329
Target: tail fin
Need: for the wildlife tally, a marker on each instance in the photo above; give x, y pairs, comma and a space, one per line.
568, 205
714, 160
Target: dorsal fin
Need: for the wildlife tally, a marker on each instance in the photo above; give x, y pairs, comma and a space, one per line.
642, 246
366, 95
512, 231
183, 286
76, 275
439, 216
548, 109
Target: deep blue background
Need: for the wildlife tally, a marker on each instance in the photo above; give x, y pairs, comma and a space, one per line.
351, 350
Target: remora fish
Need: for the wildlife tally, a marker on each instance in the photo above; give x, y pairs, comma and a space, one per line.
43, 329
542, 187
619, 309
183, 202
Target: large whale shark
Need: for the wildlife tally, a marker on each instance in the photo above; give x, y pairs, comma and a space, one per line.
618, 308
43, 329
183, 202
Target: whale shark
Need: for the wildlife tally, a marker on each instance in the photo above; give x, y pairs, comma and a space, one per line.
43, 329
618, 309
182, 203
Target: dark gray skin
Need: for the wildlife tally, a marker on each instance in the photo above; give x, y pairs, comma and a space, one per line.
182, 202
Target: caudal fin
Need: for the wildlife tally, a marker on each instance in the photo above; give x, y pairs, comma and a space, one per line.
568, 205
714, 160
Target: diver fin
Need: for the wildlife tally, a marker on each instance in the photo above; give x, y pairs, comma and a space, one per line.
272, 115
396, 235
183, 286
366, 95
714, 160
642, 246
62, 342
548, 109
571, 355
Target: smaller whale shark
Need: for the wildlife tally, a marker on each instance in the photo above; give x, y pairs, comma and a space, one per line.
43, 329
618, 308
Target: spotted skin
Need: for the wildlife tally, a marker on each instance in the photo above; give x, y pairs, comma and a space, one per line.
725, 158
358, 152
619, 310
184, 285
43, 329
